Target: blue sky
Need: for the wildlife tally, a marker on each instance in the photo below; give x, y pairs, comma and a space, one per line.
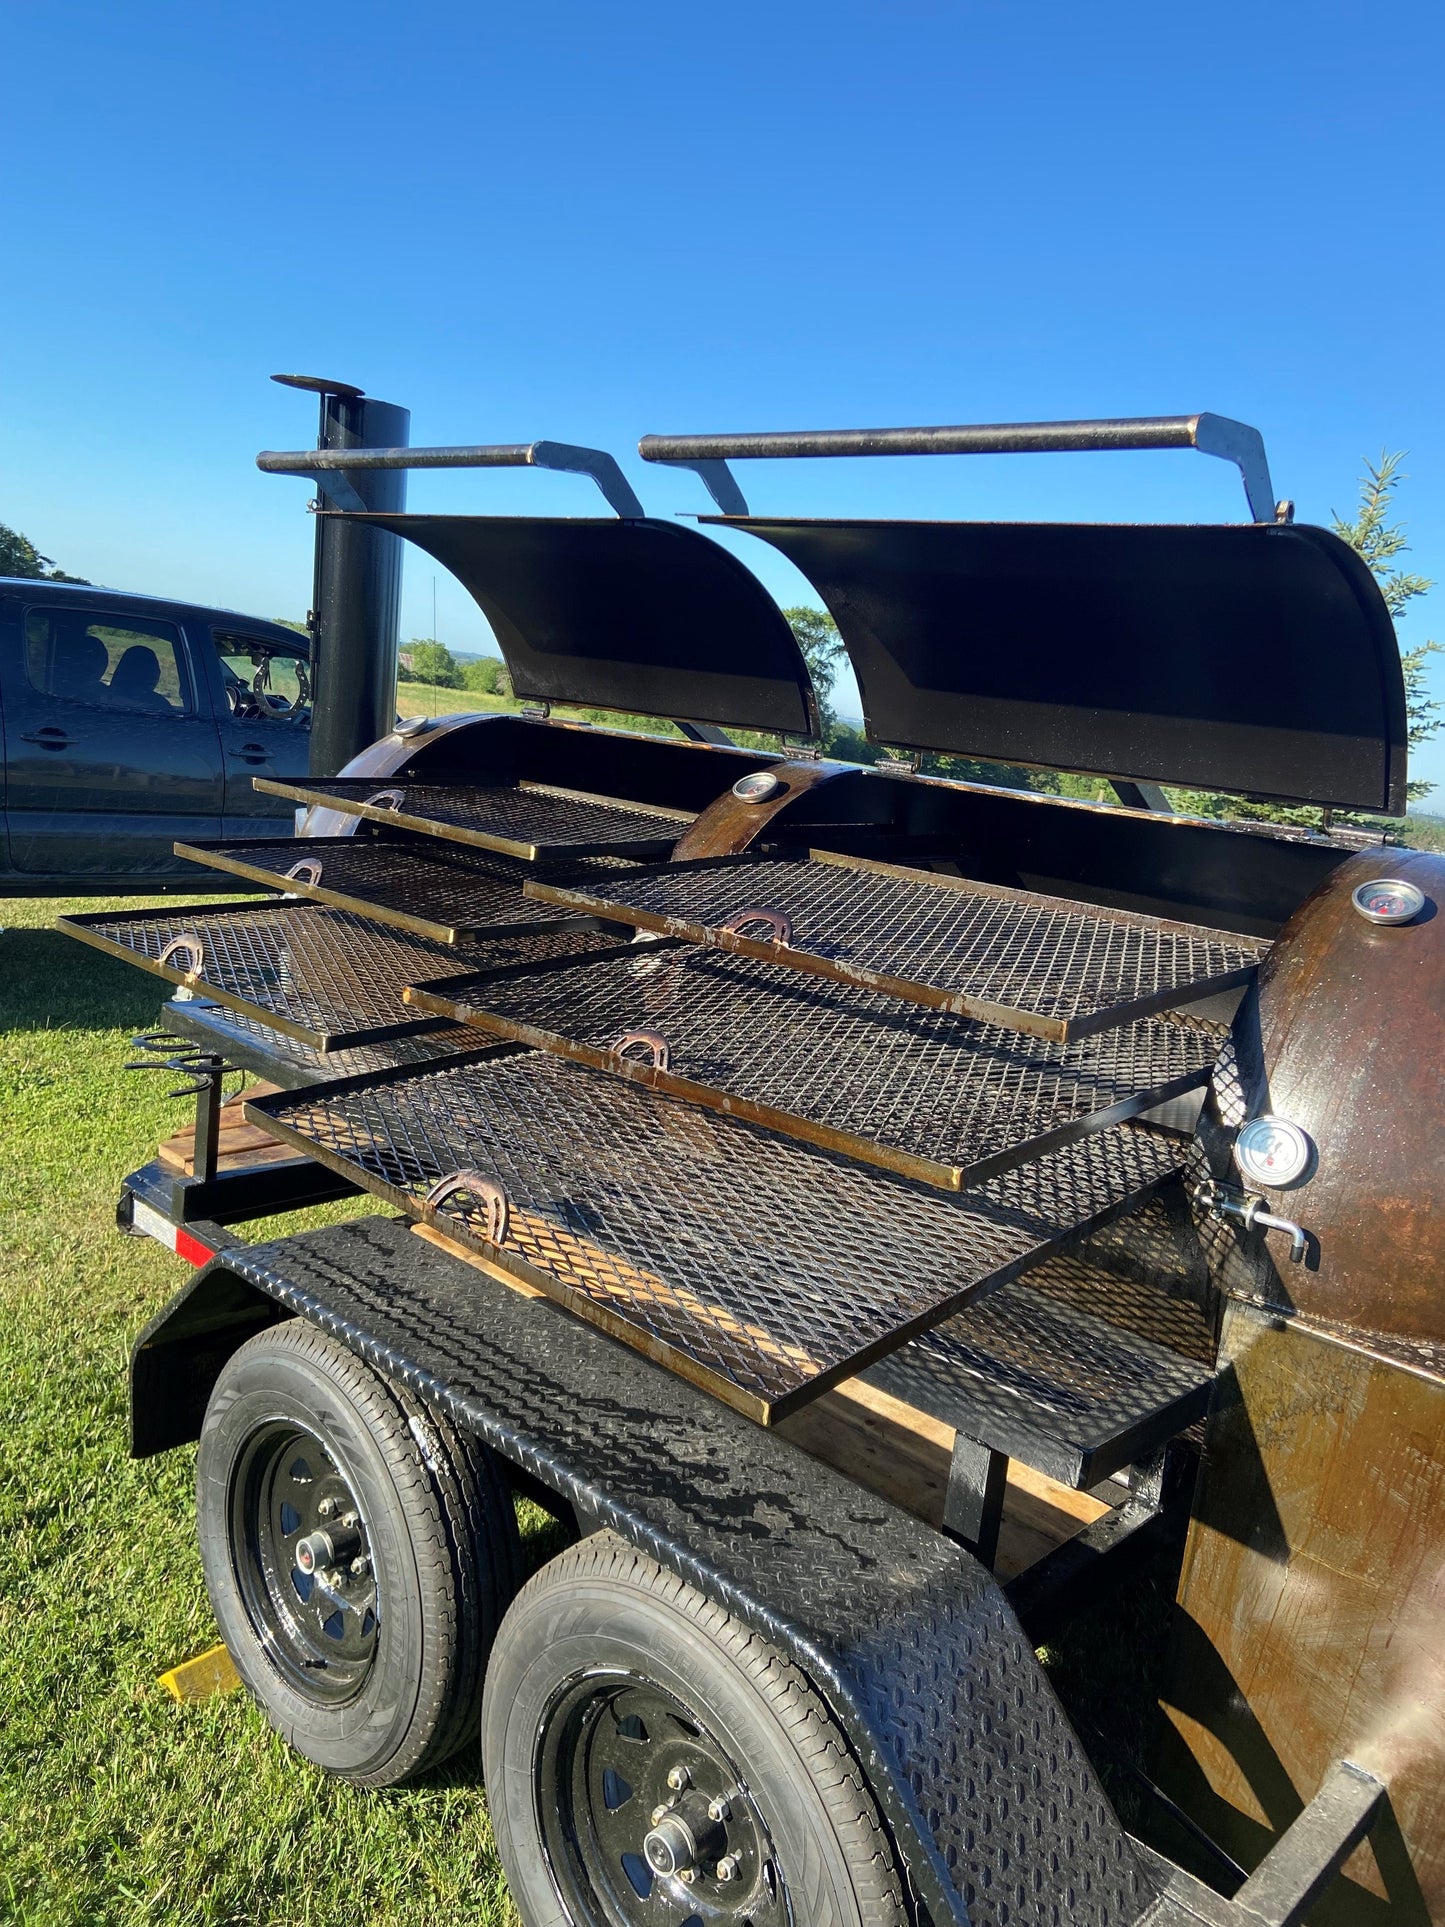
586, 222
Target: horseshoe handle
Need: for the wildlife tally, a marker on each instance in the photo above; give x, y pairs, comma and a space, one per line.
777, 921
485, 1190
650, 1040
193, 946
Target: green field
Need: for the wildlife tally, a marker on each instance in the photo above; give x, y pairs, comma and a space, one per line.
116, 1805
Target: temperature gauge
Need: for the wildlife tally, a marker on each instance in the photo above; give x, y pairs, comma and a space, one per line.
1272, 1151
1388, 900
756, 788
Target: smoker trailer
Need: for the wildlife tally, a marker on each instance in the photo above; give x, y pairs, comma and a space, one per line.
751, 1125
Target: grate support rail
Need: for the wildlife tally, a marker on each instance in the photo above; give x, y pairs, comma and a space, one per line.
1033, 963
761, 1269
933, 1096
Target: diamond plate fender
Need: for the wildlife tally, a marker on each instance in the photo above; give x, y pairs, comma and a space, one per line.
994, 1808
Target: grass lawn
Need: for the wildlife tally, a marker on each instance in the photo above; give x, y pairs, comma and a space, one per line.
116, 1805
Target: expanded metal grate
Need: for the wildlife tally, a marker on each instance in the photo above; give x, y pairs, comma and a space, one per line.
449, 896
325, 976
938, 1097
1032, 963
526, 820
762, 1269
1050, 1383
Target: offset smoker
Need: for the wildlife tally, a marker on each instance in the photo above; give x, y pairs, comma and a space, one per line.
735, 1092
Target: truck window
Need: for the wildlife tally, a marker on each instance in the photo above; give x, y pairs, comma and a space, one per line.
111, 662
264, 677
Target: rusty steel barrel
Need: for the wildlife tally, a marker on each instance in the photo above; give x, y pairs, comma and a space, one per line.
1311, 1611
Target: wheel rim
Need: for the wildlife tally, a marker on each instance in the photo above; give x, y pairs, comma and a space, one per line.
645, 1819
303, 1563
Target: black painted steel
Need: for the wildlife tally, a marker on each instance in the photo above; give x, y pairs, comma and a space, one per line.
1032, 963
450, 896
529, 821
991, 1799
1257, 660
763, 1269
324, 976
935, 1096
639, 616
357, 593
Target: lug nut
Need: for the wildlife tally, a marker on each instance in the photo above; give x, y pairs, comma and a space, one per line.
326, 1508
727, 1867
719, 1810
360, 1566
657, 1813
679, 1778
687, 1876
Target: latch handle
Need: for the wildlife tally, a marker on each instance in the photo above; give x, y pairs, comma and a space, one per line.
1250, 1211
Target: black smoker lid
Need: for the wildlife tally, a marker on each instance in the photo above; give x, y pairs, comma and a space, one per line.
632, 615
1258, 659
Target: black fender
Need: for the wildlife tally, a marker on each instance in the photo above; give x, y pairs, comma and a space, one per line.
994, 1807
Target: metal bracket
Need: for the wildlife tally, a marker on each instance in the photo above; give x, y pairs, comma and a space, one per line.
720, 483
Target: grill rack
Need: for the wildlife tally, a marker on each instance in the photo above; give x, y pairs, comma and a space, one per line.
530, 821
328, 977
930, 1095
449, 896
1053, 968
777, 1237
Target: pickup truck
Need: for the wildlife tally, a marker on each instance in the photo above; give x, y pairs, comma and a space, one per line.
130, 723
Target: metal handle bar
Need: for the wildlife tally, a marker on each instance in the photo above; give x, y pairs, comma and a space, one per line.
1217, 435
327, 467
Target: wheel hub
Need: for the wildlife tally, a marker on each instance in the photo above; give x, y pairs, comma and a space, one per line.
645, 1817
303, 1562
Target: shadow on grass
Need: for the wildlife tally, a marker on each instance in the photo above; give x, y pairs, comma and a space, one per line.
49, 981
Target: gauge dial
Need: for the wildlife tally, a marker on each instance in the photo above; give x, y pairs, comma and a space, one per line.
1272, 1151
1388, 900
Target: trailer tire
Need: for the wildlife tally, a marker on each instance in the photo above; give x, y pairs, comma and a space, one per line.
611, 1674
359, 1551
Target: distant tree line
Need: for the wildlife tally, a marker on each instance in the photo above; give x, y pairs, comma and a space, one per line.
19, 556
432, 663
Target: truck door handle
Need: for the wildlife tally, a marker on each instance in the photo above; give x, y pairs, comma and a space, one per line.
50, 737
252, 753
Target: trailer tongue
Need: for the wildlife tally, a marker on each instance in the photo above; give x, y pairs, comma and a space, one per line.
860, 1106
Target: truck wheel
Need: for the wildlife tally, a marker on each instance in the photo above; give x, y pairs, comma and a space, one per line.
648, 1759
359, 1551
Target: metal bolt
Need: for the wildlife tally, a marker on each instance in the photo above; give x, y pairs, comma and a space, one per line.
360, 1566
687, 1876
326, 1508
679, 1778
719, 1810
727, 1867
657, 1813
